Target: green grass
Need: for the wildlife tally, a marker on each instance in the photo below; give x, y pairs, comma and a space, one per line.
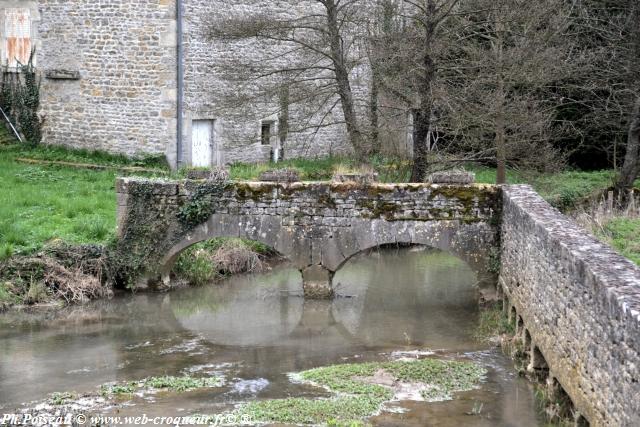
57, 153
39, 204
624, 235
354, 399
309, 169
492, 322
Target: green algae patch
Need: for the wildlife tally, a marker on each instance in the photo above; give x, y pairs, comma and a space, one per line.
360, 390
181, 384
59, 399
166, 383
334, 411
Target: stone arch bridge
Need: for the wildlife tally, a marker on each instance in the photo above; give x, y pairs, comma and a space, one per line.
317, 226
574, 302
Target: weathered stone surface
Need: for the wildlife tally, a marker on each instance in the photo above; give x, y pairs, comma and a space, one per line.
111, 75
453, 177
580, 302
280, 175
317, 282
315, 224
61, 74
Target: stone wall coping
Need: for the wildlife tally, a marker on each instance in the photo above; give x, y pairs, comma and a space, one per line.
303, 185
617, 277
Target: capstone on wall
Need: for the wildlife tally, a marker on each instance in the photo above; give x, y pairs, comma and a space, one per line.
580, 301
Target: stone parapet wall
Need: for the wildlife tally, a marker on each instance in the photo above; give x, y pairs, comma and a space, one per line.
314, 204
580, 302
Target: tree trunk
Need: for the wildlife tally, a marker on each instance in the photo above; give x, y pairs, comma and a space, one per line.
500, 142
422, 117
342, 80
374, 116
501, 150
631, 167
283, 119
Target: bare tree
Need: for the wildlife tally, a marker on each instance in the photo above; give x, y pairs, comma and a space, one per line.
473, 72
623, 34
606, 94
512, 53
631, 167
409, 54
319, 53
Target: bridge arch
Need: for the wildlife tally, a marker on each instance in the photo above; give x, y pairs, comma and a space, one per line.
319, 254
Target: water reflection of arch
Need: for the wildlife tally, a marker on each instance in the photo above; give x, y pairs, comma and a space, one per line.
240, 314
329, 248
436, 288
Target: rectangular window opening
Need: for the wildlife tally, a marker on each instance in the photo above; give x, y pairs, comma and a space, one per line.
267, 132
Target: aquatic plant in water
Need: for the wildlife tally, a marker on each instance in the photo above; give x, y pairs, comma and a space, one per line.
166, 383
360, 390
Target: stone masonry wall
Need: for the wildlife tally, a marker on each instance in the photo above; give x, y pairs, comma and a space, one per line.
124, 52
318, 225
221, 84
326, 204
580, 301
110, 80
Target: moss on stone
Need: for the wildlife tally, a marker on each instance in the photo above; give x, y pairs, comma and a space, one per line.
254, 191
201, 203
327, 200
379, 208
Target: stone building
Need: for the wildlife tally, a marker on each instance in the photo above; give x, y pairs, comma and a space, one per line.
114, 78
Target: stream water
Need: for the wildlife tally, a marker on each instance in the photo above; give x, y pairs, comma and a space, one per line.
255, 329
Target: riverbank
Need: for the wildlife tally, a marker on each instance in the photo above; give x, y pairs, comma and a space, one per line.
46, 206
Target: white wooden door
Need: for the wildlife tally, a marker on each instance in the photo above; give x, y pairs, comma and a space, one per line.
201, 143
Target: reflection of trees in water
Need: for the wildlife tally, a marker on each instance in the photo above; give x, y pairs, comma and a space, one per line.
247, 310
397, 295
407, 295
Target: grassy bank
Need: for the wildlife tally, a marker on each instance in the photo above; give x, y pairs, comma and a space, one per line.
40, 204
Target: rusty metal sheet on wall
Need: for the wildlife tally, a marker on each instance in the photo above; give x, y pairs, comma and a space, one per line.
18, 36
